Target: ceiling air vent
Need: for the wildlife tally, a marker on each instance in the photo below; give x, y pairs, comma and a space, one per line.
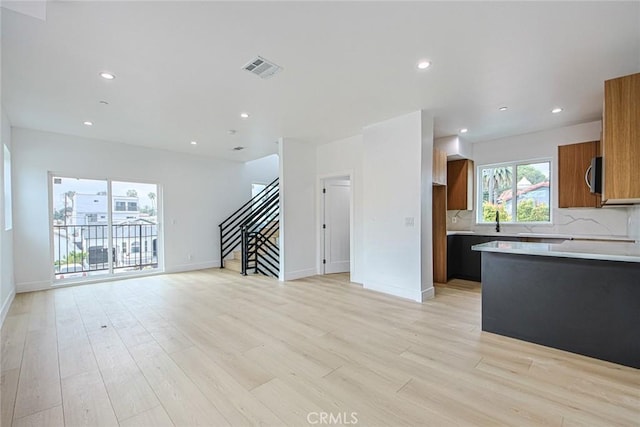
262, 68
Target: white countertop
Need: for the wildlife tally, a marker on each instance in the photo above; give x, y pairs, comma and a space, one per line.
607, 251
539, 235
507, 234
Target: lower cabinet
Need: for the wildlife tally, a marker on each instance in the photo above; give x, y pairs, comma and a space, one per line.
462, 261
452, 259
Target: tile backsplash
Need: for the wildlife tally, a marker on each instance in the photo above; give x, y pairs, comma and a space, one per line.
634, 223
605, 222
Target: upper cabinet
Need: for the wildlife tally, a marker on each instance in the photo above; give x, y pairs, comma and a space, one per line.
439, 167
574, 163
460, 185
621, 141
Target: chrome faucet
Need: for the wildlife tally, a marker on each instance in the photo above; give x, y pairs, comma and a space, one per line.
497, 221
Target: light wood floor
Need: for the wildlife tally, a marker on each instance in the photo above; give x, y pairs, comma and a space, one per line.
214, 348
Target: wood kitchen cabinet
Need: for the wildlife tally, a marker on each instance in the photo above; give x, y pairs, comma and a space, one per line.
621, 141
439, 167
439, 211
460, 185
574, 162
439, 224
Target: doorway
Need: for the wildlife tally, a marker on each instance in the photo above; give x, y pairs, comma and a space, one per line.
336, 225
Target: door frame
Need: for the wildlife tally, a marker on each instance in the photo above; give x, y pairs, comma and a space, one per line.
347, 175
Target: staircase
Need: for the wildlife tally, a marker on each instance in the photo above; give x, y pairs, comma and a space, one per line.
249, 237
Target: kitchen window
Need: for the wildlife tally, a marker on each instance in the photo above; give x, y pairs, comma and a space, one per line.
520, 192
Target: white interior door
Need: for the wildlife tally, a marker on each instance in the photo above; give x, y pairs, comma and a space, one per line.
337, 201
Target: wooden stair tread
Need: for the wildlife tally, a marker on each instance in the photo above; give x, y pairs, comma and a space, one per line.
233, 264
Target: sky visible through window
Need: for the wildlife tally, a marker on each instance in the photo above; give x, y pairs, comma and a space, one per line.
88, 186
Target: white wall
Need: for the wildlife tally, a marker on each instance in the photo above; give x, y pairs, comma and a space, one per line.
578, 221
262, 170
455, 147
634, 223
7, 283
426, 230
197, 193
392, 199
297, 209
340, 158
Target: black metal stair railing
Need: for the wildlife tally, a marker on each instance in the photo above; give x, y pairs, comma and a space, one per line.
253, 228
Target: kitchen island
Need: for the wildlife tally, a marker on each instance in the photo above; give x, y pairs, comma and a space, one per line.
582, 297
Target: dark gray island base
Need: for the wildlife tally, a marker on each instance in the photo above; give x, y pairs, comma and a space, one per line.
585, 306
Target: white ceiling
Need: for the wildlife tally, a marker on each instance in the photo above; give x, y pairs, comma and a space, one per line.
346, 65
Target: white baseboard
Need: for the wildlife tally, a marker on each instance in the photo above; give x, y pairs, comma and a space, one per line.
44, 285
6, 305
396, 292
191, 267
429, 293
33, 286
299, 274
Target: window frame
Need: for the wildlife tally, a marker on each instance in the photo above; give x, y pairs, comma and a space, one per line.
159, 250
514, 164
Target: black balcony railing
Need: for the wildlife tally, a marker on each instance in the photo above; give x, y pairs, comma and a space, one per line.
254, 230
85, 248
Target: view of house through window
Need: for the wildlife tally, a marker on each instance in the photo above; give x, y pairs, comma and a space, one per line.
528, 182
103, 227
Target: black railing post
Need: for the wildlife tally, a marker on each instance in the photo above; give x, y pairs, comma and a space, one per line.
243, 249
221, 240
140, 245
258, 236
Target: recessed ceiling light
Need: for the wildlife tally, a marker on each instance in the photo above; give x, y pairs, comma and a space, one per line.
502, 109
423, 65
244, 115
88, 123
556, 110
464, 130
108, 76
194, 142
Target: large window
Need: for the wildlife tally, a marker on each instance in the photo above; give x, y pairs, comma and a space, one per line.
103, 227
518, 192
